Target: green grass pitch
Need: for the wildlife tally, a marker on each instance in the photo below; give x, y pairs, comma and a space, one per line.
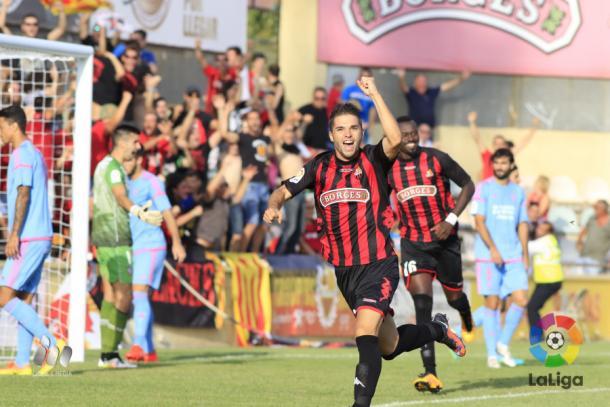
310, 377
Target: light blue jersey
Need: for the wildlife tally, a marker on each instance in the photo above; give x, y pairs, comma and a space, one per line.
27, 168
503, 207
147, 188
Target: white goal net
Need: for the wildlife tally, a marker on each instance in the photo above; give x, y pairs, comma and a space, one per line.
52, 82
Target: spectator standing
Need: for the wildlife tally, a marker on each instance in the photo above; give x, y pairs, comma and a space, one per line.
290, 162
498, 142
237, 63
354, 95
316, 118
421, 98
30, 23
594, 239
254, 150
540, 196
277, 90
334, 93
216, 75
146, 56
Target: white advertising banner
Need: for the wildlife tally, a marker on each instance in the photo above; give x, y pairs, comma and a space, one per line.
177, 23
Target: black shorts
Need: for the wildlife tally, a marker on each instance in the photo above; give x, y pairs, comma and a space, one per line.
443, 259
371, 286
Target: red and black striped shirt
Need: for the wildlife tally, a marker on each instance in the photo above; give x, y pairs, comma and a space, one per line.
352, 203
423, 191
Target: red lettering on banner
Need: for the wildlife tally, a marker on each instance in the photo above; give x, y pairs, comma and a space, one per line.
199, 275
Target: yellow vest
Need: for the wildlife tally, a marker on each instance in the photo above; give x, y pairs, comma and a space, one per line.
547, 264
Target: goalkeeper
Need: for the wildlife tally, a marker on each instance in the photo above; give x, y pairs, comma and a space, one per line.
112, 237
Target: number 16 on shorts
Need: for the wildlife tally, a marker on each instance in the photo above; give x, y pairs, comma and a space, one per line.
409, 267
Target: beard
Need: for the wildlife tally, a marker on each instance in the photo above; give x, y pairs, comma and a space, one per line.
502, 175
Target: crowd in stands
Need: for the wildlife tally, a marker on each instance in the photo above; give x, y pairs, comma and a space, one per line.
228, 143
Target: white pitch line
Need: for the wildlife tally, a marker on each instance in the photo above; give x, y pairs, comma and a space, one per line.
492, 397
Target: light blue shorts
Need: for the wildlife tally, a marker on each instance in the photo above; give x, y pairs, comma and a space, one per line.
148, 266
500, 280
23, 274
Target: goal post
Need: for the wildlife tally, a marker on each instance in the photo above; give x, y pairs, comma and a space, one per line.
55, 81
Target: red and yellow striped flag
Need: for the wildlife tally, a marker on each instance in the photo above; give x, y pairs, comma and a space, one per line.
251, 293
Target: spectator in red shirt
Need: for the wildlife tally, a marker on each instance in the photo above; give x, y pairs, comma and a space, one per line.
156, 144
334, 93
103, 128
498, 141
216, 75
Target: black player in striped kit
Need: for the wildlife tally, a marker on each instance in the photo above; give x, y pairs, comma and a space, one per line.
430, 247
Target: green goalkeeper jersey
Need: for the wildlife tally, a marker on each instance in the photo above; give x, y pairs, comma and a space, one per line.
110, 221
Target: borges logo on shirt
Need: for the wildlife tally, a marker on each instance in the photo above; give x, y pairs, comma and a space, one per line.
547, 25
417, 190
344, 195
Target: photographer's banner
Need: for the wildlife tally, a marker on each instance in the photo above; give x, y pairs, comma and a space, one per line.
174, 305
251, 294
530, 37
306, 300
177, 23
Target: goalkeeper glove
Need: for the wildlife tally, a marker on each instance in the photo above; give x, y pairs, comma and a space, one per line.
154, 218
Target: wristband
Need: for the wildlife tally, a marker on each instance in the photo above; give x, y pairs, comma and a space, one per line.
451, 219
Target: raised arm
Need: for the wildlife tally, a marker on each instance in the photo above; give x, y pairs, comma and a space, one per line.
474, 131
62, 22
3, 12
116, 119
391, 140
199, 54
402, 80
528, 137
455, 82
83, 25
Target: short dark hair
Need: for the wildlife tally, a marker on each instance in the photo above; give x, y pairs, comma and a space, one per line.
141, 32
274, 69
14, 114
258, 55
236, 49
132, 45
504, 152
159, 99
405, 119
366, 68
344, 109
122, 131
319, 89
28, 15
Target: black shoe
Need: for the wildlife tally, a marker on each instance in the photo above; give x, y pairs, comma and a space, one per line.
450, 338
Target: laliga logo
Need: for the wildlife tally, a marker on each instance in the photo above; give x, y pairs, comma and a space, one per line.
547, 25
555, 340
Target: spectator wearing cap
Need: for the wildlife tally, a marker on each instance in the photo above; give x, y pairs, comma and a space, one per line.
334, 93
